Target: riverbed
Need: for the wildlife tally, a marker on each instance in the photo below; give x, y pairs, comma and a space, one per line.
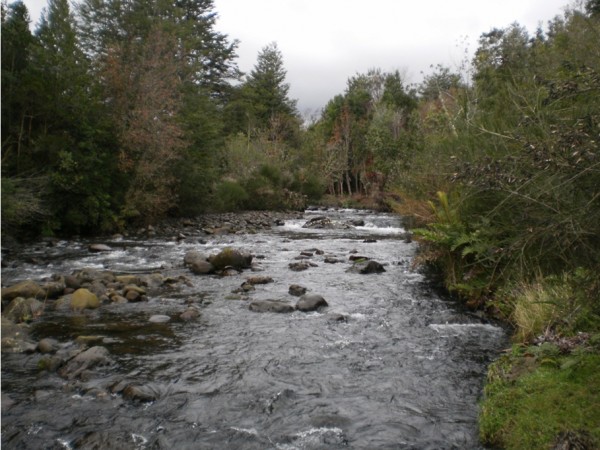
388, 364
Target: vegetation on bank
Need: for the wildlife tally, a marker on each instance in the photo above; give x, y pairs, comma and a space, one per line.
496, 162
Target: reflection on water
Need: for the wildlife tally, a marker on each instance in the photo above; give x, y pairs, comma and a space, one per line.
402, 369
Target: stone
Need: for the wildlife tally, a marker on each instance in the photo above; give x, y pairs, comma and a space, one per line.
299, 266
366, 267
134, 287
357, 222
71, 281
23, 310
84, 299
118, 299
259, 279
337, 317
159, 318
55, 288
200, 267
231, 258
133, 296
331, 260
189, 314
88, 359
15, 337
322, 222
97, 248
297, 290
310, 302
47, 345
25, 289
139, 393
129, 279
193, 256
274, 306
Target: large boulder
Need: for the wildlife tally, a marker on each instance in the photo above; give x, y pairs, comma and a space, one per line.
274, 306
25, 289
84, 299
230, 257
310, 302
23, 309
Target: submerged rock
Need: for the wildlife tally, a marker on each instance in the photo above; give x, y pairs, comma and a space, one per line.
23, 309
47, 345
88, 359
15, 337
139, 393
189, 314
274, 306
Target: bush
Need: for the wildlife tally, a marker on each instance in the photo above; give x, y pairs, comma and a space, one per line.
230, 196
22, 204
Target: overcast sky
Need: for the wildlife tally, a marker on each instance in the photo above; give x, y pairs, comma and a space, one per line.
324, 42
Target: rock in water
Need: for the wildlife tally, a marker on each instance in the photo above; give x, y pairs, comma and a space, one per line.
23, 310
159, 318
88, 359
97, 248
296, 290
25, 289
366, 267
259, 279
310, 302
84, 299
270, 306
231, 258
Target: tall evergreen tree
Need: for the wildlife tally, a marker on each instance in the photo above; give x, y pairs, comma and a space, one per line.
266, 89
17, 111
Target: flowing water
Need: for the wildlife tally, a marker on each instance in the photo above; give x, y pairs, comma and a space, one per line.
404, 370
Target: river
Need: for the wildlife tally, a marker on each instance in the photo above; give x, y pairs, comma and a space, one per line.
388, 364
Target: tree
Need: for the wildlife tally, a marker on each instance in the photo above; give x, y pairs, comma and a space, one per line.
17, 42
267, 92
144, 87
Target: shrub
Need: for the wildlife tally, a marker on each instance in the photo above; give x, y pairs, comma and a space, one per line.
230, 196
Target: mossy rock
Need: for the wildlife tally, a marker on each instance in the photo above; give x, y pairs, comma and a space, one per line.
84, 299
231, 258
25, 289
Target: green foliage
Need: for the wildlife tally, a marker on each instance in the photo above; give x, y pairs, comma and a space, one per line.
22, 204
543, 403
229, 196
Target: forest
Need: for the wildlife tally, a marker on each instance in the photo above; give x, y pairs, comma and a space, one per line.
118, 114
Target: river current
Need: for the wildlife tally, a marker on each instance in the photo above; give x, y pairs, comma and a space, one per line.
404, 369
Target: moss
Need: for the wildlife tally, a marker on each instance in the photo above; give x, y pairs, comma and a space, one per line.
531, 408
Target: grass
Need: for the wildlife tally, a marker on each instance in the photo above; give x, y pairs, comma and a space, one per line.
529, 404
